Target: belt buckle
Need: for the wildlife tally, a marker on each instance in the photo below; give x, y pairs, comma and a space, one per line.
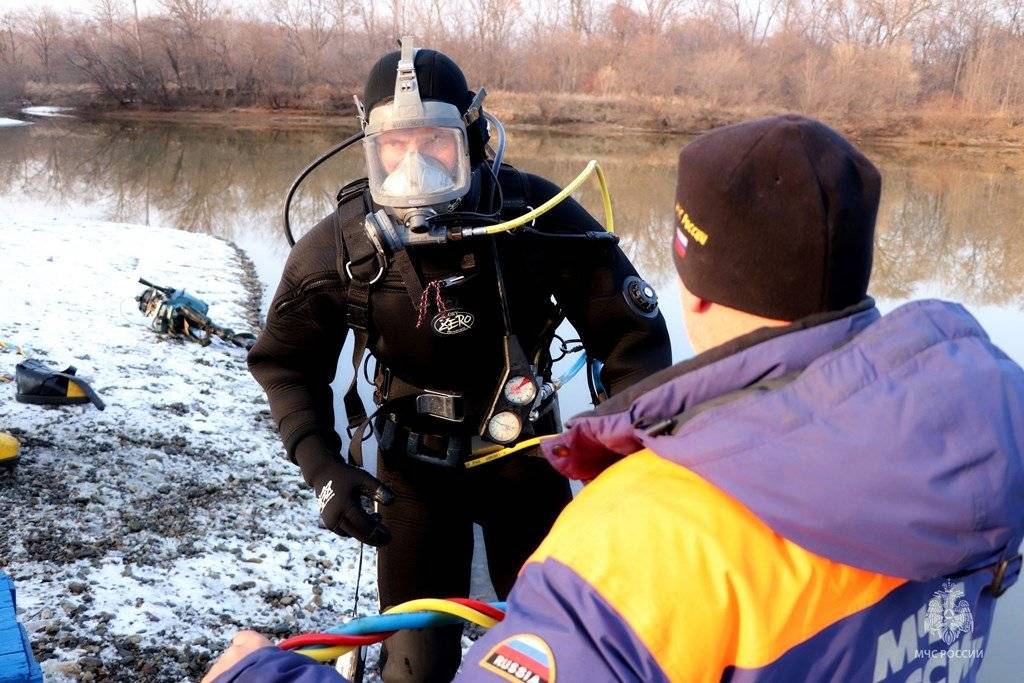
451, 457
440, 405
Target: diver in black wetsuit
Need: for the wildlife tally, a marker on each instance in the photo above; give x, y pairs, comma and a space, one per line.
452, 326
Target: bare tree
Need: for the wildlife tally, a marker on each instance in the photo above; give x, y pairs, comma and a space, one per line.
186, 42
45, 27
192, 16
12, 72
659, 13
368, 17
490, 28
309, 27
581, 17
10, 40
753, 20
623, 21
108, 13
877, 22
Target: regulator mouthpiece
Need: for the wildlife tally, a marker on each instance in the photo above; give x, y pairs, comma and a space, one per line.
417, 175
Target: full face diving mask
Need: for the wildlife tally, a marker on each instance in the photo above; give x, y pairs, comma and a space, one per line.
416, 152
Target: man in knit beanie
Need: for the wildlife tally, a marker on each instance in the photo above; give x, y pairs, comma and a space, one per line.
822, 493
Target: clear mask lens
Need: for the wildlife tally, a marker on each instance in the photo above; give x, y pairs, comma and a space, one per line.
417, 166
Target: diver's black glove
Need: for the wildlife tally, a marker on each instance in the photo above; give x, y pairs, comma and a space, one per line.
340, 489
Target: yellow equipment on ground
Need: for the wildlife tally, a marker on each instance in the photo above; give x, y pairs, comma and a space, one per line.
9, 450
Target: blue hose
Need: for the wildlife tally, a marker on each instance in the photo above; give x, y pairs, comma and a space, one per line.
573, 371
396, 622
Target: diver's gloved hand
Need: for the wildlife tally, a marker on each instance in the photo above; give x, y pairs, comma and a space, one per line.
341, 489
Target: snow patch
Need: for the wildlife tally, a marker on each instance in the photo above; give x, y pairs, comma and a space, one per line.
10, 123
47, 111
141, 538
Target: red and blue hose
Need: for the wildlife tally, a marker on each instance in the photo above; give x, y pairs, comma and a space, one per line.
423, 613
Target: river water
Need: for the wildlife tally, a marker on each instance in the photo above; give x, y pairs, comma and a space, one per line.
951, 223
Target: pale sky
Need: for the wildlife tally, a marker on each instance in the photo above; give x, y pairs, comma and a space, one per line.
64, 5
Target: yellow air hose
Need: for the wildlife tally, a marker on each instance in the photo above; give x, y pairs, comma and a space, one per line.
529, 216
325, 654
446, 606
491, 453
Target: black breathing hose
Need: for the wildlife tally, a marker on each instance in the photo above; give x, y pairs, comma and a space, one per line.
348, 142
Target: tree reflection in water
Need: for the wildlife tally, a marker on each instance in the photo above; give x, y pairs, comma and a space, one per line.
948, 222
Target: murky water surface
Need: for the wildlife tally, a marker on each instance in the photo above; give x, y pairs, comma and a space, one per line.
951, 224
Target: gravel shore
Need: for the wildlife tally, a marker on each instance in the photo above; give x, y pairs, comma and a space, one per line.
142, 537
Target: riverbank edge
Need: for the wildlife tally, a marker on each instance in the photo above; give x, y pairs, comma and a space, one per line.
253, 288
580, 115
102, 565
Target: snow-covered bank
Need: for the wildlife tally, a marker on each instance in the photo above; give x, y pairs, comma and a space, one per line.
47, 111
140, 538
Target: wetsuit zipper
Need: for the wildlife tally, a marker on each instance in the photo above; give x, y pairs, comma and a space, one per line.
307, 288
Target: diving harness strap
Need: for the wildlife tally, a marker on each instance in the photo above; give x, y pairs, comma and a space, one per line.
364, 266
363, 262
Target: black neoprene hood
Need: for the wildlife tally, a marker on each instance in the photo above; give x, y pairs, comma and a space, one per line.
439, 78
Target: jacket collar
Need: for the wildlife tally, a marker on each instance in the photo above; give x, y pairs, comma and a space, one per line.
596, 439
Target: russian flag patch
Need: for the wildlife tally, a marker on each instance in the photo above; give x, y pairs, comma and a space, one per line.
522, 658
681, 243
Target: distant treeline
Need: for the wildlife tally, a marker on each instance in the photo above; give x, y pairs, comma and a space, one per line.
843, 60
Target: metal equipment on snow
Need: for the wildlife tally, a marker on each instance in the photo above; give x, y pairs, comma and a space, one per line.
178, 313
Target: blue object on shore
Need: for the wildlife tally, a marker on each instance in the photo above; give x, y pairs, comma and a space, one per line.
17, 665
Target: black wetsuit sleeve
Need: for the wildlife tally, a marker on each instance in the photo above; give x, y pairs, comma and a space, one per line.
589, 286
296, 355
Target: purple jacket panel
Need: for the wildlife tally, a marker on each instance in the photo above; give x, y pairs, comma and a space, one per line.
895, 641
272, 665
589, 640
898, 449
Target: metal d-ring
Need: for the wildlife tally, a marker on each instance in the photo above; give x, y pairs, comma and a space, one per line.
381, 265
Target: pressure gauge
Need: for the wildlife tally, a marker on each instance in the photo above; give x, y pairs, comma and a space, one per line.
504, 427
520, 390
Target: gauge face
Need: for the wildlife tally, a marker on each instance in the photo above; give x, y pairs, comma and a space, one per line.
520, 390
504, 427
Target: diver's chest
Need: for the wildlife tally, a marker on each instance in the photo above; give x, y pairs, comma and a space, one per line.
455, 293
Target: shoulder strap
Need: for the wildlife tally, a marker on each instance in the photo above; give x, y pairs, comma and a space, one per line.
513, 191
358, 263
356, 258
349, 191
